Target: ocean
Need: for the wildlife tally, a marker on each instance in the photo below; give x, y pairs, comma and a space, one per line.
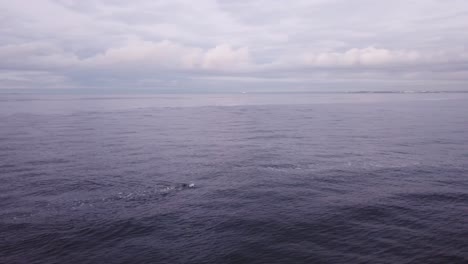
234, 178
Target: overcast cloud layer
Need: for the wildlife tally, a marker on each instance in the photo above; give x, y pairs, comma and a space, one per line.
234, 45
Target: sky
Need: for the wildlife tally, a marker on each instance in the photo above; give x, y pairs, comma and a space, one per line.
225, 45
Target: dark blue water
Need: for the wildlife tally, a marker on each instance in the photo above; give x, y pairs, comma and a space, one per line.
329, 178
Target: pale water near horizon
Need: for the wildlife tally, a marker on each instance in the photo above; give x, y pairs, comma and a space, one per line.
241, 178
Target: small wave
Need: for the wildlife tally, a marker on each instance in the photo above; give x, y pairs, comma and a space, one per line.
284, 166
436, 197
135, 196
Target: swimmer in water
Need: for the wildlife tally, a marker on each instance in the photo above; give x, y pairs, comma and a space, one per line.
189, 185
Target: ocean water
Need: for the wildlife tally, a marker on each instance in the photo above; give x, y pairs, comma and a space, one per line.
246, 178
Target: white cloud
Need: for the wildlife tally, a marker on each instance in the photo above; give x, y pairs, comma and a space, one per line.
369, 56
132, 53
136, 52
225, 57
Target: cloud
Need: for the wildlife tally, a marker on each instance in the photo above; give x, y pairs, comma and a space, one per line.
170, 55
225, 57
132, 53
380, 57
184, 43
136, 52
25, 79
366, 57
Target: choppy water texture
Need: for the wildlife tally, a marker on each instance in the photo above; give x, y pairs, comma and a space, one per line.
337, 178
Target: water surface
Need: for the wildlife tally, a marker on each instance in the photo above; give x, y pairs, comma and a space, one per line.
244, 178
